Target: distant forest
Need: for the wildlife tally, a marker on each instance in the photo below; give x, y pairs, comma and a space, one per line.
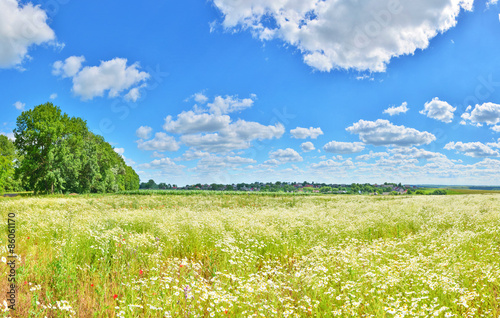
55, 153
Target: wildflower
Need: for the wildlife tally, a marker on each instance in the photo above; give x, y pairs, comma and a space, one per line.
91, 285
115, 296
4, 259
140, 272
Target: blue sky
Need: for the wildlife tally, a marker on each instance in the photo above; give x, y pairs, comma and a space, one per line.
233, 91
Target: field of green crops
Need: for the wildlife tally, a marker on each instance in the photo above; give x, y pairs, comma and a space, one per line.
254, 256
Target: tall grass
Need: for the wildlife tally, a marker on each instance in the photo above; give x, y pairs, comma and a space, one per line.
256, 256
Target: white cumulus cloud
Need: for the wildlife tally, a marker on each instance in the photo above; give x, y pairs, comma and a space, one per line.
486, 113
69, 68
285, 155
383, 133
190, 122
194, 155
213, 163
161, 142
112, 77
343, 147
163, 164
19, 106
362, 35
333, 165
119, 151
237, 135
21, 27
307, 146
397, 110
472, 149
210, 129
303, 133
143, 132
417, 153
439, 110
200, 98
229, 104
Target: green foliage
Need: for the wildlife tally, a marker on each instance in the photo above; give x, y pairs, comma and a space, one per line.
7, 156
150, 185
59, 154
438, 192
325, 189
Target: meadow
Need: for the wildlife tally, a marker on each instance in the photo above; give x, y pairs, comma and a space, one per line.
254, 256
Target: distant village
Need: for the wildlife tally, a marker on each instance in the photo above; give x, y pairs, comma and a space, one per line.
311, 187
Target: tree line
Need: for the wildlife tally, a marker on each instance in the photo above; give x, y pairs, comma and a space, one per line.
55, 153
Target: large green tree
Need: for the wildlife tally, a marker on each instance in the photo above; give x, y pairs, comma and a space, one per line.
39, 137
60, 154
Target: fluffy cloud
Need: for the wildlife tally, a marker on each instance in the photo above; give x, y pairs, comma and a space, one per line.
21, 27
69, 68
190, 122
384, 133
212, 130
143, 132
343, 147
164, 164
19, 106
285, 155
439, 110
487, 113
53, 96
472, 149
213, 163
134, 94
161, 142
200, 98
494, 144
119, 151
157, 154
113, 77
307, 146
492, 2
417, 153
372, 155
194, 155
397, 110
333, 165
344, 33
303, 133
237, 135
270, 163
229, 104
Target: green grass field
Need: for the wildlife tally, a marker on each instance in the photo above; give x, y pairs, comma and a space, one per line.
255, 256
